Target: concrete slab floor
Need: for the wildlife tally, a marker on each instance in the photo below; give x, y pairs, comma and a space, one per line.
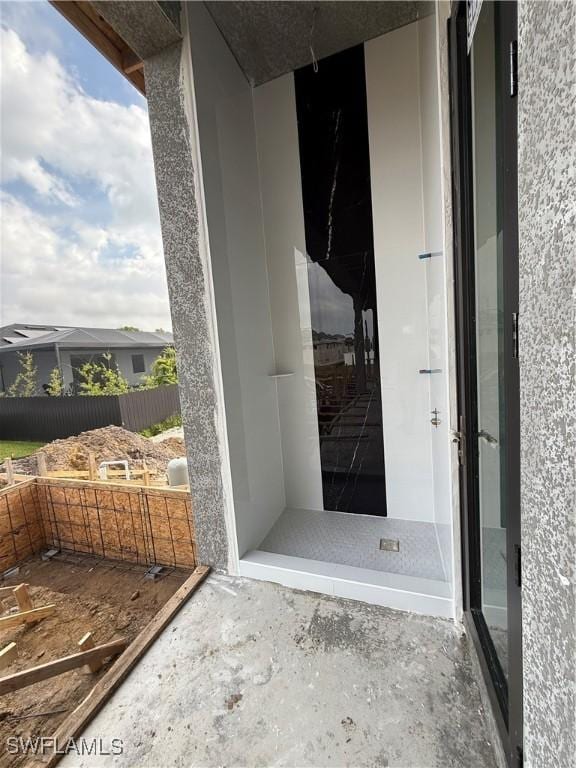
253, 674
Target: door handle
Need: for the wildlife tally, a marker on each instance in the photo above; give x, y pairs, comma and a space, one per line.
488, 437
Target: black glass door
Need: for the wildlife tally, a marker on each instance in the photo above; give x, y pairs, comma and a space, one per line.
483, 84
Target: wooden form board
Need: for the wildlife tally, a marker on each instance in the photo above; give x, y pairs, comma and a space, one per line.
33, 675
21, 531
77, 721
136, 524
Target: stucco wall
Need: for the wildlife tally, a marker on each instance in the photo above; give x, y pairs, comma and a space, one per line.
547, 194
169, 92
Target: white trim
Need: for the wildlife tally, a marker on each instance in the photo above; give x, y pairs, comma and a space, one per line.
405, 593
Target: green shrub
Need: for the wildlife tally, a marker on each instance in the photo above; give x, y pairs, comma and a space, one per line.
102, 378
25, 384
163, 370
55, 386
172, 421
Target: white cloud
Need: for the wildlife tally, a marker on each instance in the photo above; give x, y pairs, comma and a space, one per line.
71, 266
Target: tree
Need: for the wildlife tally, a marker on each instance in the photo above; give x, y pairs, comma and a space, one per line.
163, 369
128, 328
55, 386
102, 378
25, 384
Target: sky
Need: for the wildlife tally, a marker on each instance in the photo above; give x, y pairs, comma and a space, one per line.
79, 225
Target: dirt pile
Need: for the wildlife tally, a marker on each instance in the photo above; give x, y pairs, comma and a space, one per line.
107, 444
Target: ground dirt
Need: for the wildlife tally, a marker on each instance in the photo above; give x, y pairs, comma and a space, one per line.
107, 444
108, 599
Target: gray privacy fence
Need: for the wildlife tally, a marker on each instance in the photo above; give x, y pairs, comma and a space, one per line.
48, 418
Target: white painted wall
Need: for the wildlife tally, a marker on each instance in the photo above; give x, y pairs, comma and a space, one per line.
435, 269
277, 132
394, 126
237, 253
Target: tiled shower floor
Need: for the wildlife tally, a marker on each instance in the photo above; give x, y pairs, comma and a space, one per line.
347, 539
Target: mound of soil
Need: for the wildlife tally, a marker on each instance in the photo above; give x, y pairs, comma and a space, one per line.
107, 444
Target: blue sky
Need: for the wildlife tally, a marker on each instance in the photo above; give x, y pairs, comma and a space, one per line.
80, 231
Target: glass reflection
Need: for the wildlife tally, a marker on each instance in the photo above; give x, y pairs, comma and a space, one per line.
333, 140
488, 264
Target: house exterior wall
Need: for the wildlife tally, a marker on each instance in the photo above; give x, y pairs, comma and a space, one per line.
45, 360
122, 357
547, 191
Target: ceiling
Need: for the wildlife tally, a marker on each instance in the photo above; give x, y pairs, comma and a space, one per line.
269, 39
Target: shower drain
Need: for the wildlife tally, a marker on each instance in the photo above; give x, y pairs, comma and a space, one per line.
390, 545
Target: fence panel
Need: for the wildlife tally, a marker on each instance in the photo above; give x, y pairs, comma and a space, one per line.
50, 418
148, 406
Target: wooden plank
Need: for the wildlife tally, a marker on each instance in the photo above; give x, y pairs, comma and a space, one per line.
8, 654
15, 619
41, 462
75, 723
5, 590
75, 14
9, 471
23, 599
128, 486
92, 468
21, 482
90, 24
85, 643
27, 677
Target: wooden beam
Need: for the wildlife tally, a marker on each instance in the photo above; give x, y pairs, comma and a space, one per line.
92, 468
8, 654
102, 36
23, 598
131, 63
15, 619
41, 463
9, 471
85, 643
27, 677
75, 723
5, 590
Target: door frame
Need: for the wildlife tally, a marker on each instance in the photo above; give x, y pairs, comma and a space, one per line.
505, 695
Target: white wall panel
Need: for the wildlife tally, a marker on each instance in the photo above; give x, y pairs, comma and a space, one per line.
394, 126
277, 132
237, 252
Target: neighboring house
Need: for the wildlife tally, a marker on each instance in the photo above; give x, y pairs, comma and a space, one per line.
68, 348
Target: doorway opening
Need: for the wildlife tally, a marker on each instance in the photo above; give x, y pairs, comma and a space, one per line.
324, 209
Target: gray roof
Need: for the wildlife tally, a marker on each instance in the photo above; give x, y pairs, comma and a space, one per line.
20, 336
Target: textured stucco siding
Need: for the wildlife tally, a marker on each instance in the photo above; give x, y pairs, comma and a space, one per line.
547, 195
191, 301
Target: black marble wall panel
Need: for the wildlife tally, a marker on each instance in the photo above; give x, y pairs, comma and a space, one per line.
335, 169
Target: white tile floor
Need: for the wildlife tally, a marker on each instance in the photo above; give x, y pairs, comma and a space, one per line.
354, 540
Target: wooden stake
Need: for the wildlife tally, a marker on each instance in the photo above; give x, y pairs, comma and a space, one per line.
8, 654
145, 474
92, 468
15, 619
9, 471
23, 597
42, 466
51, 668
85, 644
